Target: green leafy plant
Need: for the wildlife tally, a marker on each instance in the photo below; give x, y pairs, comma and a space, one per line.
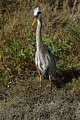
62, 52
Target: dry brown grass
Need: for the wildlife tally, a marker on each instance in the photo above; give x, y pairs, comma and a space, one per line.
16, 17
19, 84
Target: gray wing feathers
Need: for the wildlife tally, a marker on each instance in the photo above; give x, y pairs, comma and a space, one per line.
45, 62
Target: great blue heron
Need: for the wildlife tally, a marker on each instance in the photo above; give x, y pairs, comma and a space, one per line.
44, 58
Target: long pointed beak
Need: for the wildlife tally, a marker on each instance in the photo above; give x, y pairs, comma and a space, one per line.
34, 21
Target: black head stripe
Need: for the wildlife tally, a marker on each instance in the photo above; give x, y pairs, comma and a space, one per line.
39, 12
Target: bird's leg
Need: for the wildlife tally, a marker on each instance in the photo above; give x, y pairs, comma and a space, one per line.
40, 82
51, 87
40, 78
39, 92
50, 82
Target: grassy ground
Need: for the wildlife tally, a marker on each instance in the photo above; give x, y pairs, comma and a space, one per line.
19, 81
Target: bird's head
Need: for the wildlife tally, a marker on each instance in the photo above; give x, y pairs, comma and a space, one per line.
37, 15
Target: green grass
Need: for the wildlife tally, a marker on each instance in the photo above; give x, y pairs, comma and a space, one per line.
18, 58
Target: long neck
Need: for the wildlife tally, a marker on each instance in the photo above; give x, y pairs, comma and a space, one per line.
38, 35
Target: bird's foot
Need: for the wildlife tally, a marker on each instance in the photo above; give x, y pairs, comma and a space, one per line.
52, 102
38, 103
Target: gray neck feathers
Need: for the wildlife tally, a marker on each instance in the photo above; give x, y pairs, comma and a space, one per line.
38, 34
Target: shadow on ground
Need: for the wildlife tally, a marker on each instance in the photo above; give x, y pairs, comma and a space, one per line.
66, 76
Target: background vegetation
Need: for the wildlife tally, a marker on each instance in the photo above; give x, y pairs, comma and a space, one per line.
19, 81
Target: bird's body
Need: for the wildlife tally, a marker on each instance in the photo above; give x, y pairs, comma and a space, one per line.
44, 58
45, 62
